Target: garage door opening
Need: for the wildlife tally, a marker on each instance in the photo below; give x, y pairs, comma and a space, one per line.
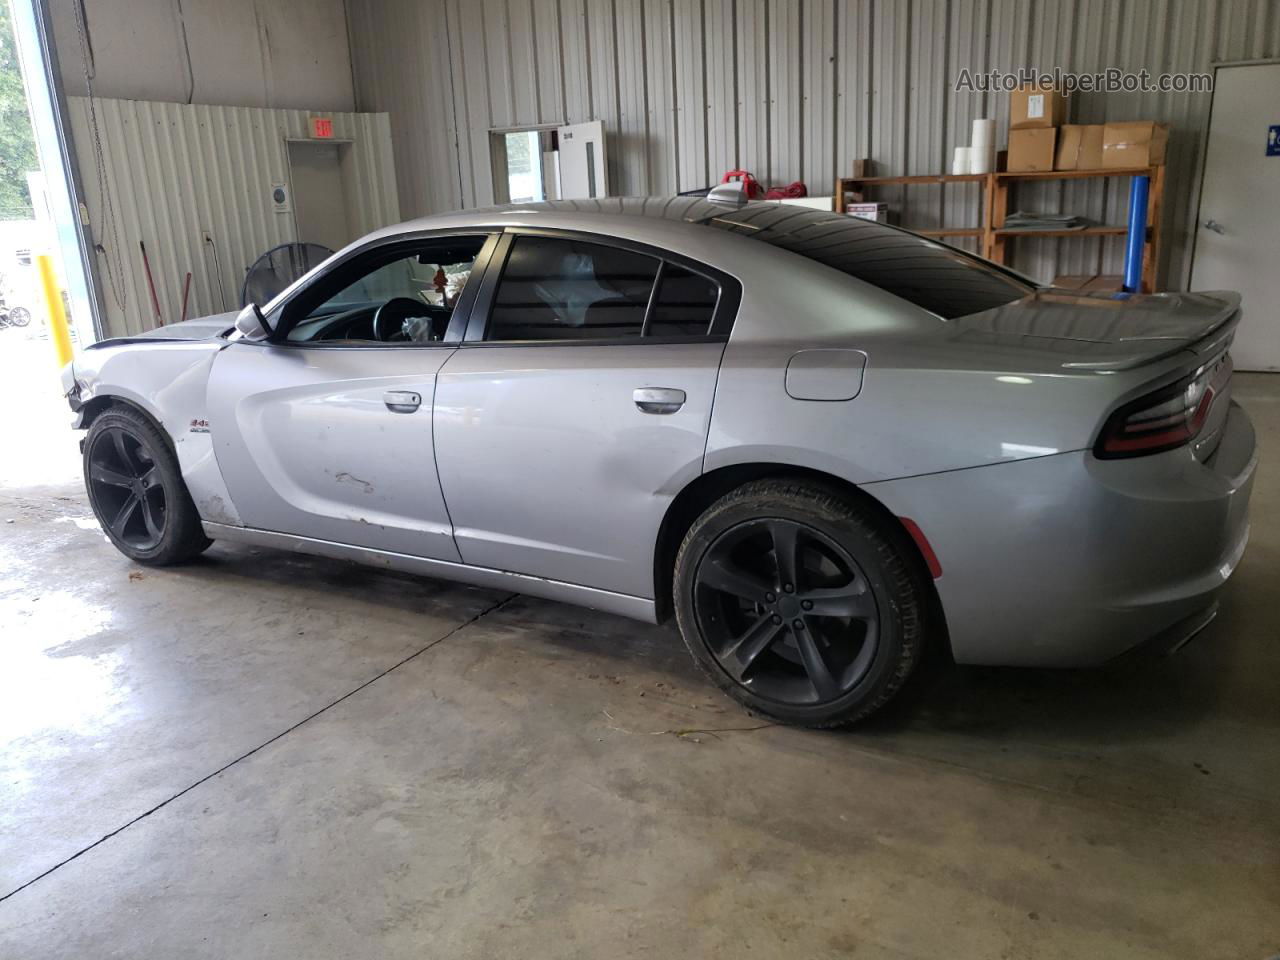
37, 219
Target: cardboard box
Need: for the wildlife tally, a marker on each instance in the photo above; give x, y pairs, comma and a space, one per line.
1139, 144
1033, 108
1031, 150
1079, 147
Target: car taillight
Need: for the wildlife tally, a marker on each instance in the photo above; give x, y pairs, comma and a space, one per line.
1165, 419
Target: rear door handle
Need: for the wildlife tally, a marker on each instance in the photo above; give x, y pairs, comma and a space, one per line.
658, 399
402, 401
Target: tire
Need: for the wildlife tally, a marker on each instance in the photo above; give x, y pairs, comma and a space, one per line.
19, 316
137, 492
755, 638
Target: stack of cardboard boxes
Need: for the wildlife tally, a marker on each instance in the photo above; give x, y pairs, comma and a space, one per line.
1034, 118
1040, 139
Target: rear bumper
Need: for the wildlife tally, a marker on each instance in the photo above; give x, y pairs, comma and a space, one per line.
1067, 560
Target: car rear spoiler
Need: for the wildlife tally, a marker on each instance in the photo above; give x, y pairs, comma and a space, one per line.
1211, 340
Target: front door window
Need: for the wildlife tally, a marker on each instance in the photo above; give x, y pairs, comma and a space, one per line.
396, 296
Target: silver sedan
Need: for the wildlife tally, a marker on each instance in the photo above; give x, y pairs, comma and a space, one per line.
827, 446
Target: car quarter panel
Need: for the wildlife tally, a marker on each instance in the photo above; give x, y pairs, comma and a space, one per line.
1069, 560
933, 395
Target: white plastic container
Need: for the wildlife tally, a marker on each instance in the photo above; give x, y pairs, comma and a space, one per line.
982, 146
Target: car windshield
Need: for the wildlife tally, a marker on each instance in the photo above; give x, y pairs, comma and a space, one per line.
937, 278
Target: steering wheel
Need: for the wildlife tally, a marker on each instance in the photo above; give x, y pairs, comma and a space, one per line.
388, 319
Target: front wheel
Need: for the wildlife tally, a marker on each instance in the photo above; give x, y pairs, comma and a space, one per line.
799, 603
136, 490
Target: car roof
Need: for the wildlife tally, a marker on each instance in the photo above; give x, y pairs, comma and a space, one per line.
733, 235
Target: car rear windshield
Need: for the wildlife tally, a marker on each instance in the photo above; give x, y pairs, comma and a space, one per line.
939, 279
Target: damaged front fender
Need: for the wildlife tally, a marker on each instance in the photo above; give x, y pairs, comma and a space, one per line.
167, 380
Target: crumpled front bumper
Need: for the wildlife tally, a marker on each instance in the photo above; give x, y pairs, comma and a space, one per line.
71, 392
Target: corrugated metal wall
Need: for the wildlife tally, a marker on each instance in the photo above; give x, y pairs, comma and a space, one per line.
173, 171
791, 89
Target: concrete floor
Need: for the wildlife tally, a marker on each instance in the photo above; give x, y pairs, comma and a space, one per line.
262, 755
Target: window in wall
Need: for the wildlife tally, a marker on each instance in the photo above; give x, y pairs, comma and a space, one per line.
524, 167
524, 170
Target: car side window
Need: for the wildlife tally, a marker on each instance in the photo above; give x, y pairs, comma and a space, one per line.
397, 296
562, 289
685, 304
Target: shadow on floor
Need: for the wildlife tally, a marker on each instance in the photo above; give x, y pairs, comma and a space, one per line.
1164, 693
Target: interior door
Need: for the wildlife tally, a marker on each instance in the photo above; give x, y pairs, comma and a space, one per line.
577, 410
319, 193
1239, 226
326, 433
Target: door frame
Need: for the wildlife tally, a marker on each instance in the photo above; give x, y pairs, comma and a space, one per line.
344, 145
1203, 156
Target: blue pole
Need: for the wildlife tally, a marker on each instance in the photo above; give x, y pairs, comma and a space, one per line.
1134, 243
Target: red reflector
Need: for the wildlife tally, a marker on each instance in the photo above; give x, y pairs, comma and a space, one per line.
926, 550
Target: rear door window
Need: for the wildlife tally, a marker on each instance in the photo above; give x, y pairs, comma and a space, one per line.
685, 303
559, 289
566, 289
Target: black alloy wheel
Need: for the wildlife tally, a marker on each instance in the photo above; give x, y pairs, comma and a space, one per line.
137, 491
802, 601
787, 611
125, 485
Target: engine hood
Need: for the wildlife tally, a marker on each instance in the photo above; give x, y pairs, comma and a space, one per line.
201, 328
1100, 330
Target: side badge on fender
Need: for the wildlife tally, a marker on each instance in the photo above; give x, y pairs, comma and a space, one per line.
199, 426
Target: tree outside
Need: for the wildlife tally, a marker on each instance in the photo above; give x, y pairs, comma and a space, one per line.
17, 143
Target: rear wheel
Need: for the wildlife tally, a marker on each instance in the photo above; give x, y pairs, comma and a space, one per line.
799, 603
137, 492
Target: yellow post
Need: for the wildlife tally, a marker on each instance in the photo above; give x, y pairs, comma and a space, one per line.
58, 331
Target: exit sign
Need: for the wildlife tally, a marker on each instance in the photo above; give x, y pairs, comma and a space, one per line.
322, 128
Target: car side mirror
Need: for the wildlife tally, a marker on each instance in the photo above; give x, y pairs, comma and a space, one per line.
252, 324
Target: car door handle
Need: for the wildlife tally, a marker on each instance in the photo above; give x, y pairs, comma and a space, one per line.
402, 401
1213, 225
658, 399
